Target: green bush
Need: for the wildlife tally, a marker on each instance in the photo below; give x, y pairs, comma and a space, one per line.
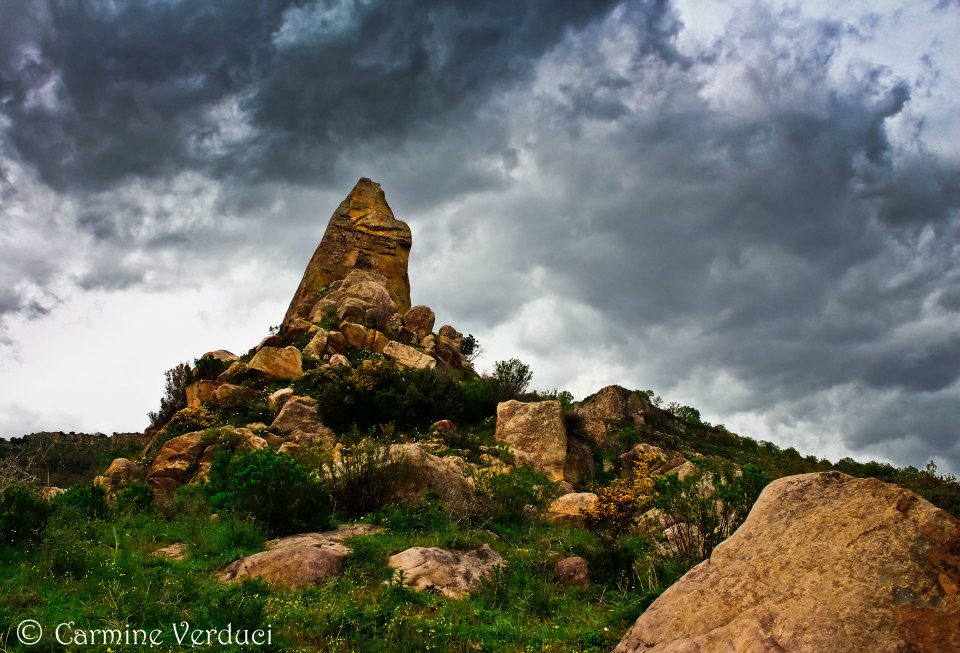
378, 392
510, 379
516, 497
136, 497
272, 487
80, 504
367, 476
23, 515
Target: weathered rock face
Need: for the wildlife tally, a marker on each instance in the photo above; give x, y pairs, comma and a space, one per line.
824, 562
579, 467
362, 234
317, 345
455, 574
536, 433
614, 407
298, 560
277, 363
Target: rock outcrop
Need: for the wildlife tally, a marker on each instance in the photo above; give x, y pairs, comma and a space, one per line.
535, 433
455, 574
613, 408
362, 234
824, 562
298, 560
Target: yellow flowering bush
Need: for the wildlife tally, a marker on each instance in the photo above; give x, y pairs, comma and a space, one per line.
620, 504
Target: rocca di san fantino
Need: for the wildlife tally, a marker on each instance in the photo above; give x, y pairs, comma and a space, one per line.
358, 427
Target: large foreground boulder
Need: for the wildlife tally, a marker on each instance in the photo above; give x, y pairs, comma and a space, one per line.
825, 562
298, 560
455, 574
535, 433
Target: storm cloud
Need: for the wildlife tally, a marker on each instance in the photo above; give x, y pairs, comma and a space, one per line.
751, 212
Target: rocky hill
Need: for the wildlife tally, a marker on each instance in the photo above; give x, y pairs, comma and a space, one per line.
414, 504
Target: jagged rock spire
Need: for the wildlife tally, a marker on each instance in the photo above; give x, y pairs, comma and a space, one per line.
362, 234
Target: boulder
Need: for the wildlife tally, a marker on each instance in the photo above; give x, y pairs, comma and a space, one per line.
119, 474
535, 433
338, 360
276, 400
298, 560
235, 372
299, 413
419, 321
408, 356
336, 343
229, 393
200, 391
444, 476
299, 440
278, 363
361, 337
566, 508
270, 341
362, 234
351, 309
317, 345
221, 355
613, 408
447, 352
572, 572
454, 574
824, 562
297, 328
176, 552
454, 336
174, 461
47, 492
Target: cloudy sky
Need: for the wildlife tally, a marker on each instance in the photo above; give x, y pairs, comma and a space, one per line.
752, 208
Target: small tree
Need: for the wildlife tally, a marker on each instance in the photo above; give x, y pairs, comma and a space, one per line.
510, 379
175, 394
620, 504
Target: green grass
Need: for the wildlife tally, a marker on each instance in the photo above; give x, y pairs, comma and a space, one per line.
98, 573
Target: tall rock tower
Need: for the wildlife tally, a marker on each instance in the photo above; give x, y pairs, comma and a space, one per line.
362, 234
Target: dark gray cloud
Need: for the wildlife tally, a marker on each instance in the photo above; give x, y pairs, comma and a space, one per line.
748, 208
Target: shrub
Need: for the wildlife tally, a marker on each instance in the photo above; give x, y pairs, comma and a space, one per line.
175, 394
136, 497
620, 504
187, 420
706, 507
272, 487
516, 497
208, 368
80, 504
378, 392
23, 515
367, 476
510, 379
